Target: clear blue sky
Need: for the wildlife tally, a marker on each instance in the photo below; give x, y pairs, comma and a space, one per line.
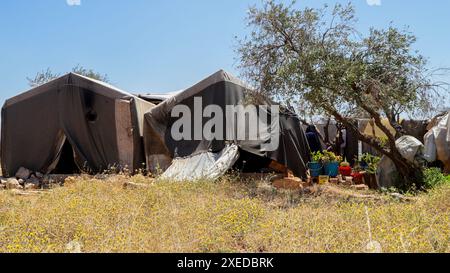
167, 45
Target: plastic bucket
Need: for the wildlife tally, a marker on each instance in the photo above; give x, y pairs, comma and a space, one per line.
315, 168
331, 169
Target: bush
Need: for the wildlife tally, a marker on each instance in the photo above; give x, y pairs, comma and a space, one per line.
371, 161
316, 156
434, 177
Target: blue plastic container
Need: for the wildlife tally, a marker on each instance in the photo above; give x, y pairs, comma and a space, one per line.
331, 169
315, 168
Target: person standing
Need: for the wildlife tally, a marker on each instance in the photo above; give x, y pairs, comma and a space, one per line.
312, 135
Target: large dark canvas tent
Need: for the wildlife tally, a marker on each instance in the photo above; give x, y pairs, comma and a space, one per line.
72, 123
194, 157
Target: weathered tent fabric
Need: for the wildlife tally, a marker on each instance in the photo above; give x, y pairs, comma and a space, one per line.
101, 123
372, 129
409, 147
415, 128
220, 89
437, 142
158, 98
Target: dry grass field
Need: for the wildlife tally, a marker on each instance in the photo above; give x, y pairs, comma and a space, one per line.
92, 215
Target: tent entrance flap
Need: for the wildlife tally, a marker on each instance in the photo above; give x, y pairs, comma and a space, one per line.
65, 160
102, 123
251, 163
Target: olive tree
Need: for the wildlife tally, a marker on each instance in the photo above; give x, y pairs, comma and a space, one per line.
47, 75
314, 58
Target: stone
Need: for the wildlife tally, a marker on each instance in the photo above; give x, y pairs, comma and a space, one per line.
34, 180
2, 186
294, 183
33, 183
21, 181
396, 195
334, 181
70, 180
132, 185
39, 175
74, 247
31, 186
360, 187
401, 197
23, 173
373, 247
12, 184
347, 181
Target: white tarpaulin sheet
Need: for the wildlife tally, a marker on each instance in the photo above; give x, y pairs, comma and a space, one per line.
408, 147
437, 142
202, 166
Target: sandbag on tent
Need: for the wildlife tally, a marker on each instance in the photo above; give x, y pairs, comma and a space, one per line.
72, 123
437, 142
220, 90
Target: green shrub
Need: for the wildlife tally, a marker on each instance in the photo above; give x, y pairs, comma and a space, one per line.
331, 157
316, 156
434, 177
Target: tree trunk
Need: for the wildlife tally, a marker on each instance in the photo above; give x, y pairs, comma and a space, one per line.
409, 173
327, 132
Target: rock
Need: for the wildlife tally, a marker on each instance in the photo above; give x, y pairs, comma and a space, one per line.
39, 175
373, 247
2, 186
12, 184
396, 195
132, 185
74, 247
31, 186
23, 173
401, 197
34, 180
288, 183
360, 187
72, 180
57, 178
3, 181
347, 181
334, 181
21, 181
